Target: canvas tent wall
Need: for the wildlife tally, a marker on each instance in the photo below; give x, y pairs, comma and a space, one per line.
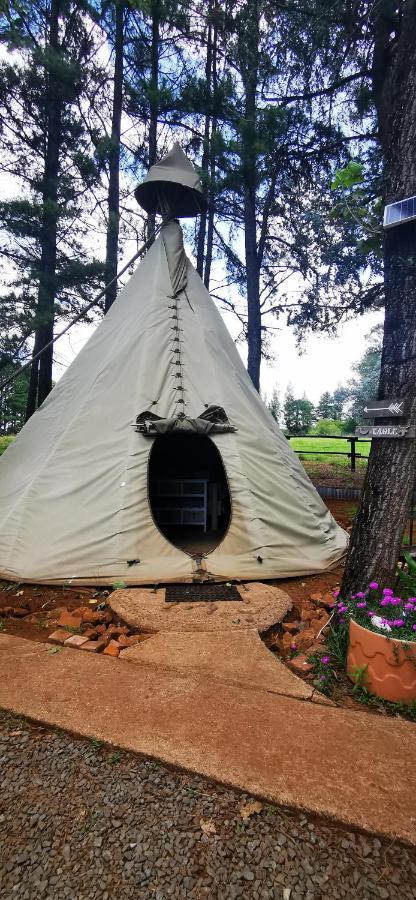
74, 499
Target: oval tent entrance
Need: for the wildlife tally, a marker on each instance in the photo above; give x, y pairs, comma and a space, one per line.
188, 492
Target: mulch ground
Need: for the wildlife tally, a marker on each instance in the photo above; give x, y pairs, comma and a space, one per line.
80, 820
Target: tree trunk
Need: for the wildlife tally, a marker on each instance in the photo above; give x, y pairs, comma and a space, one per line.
206, 150
249, 53
41, 379
211, 188
113, 226
385, 505
154, 100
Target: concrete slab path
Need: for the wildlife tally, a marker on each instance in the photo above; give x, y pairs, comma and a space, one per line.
233, 657
350, 766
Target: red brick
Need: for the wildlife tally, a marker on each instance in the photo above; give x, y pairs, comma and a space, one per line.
76, 640
291, 627
59, 637
91, 633
94, 646
68, 620
113, 649
123, 640
116, 630
94, 617
136, 638
101, 629
299, 665
79, 611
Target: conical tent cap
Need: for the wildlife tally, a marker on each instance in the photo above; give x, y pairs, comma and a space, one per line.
174, 183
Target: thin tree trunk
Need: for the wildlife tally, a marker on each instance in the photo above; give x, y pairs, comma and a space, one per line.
206, 150
211, 192
385, 505
113, 226
154, 99
249, 53
41, 382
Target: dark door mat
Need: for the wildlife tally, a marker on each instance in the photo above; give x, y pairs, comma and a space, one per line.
200, 593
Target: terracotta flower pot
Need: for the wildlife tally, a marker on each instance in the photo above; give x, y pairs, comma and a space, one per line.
391, 664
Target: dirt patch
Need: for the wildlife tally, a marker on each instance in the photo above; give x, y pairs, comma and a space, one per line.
333, 475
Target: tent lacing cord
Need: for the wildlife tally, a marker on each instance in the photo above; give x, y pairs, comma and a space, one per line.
81, 315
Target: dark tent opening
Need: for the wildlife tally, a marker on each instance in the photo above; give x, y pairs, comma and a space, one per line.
188, 491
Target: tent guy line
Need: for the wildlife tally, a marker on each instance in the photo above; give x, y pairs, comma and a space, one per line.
89, 306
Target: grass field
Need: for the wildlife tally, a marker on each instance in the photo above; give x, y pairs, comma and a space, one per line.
327, 444
5, 441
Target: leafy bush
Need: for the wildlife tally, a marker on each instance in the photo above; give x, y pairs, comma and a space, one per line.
327, 426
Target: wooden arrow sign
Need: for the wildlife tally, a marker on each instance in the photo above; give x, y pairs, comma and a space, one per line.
376, 409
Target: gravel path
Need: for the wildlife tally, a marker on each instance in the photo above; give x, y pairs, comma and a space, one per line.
79, 820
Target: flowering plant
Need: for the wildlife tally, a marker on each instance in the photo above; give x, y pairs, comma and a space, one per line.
380, 610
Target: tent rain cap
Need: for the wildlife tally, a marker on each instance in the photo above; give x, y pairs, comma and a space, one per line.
172, 183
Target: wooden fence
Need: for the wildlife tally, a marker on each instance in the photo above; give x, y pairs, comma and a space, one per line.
353, 454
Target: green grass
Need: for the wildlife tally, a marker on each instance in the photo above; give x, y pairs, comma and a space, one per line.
328, 444
5, 441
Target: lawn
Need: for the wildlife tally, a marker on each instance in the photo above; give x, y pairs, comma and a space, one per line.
5, 441
329, 445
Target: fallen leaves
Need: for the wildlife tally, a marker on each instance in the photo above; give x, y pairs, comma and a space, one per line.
254, 807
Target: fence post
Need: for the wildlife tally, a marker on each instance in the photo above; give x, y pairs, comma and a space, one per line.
352, 441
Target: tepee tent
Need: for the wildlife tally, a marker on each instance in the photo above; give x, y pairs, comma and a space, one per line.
154, 459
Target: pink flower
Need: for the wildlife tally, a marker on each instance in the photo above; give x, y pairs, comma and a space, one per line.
342, 609
361, 605
293, 647
325, 660
360, 595
398, 623
408, 605
335, 593
385, 601
373, 585
371, 613
414, 627
388, 591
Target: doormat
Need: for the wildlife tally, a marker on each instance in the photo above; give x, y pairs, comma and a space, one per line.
201, 593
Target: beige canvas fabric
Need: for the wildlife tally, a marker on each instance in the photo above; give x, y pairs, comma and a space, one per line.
172, 182
73, 486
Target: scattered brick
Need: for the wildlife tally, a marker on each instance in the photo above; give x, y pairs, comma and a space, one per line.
59, 636
116, 630
68, 620
113, 649
136, 638
94, 646
93, 617
300, 665
101, 629
79, 611
308, 612
123, 640
90, 633
76, 640
18, 612
291, 627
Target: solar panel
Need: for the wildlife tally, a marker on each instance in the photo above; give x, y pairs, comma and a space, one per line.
397, 213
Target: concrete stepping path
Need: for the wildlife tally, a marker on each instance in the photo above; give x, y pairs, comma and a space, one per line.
352, 766
262, 605
234, 657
